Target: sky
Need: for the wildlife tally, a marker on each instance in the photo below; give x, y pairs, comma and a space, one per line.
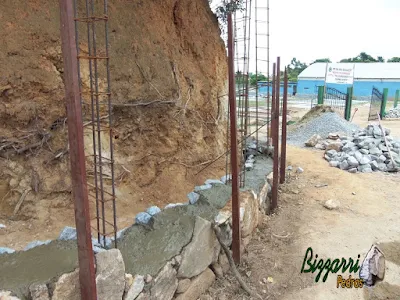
335, 29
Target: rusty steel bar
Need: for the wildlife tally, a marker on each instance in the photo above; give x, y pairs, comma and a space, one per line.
268, 76
273, 103
92, 94
284, 128
76, 150
100, 157
275, 116
234, 152
110, 123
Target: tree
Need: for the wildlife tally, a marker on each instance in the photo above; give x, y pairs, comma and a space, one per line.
225, 7
254, 79
364, 58
394, 59
322, 60
295, 68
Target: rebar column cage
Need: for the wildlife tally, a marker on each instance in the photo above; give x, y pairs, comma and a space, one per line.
91, 18
242, 26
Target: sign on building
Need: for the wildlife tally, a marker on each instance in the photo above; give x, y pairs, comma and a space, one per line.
340, 73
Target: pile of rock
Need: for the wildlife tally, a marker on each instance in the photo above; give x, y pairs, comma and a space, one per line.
394, 113
365, 151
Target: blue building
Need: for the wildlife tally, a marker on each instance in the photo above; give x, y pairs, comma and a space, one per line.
366, 76
263, 88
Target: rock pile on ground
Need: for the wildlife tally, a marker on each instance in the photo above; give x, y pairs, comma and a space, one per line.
365, 151
394, 113
321, 123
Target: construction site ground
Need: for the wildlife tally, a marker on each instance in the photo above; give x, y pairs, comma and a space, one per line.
369, 212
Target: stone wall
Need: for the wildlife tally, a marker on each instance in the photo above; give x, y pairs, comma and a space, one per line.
167, 254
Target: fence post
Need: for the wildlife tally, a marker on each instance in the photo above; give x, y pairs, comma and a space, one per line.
321, 95
383, 105
349, 100
396, 99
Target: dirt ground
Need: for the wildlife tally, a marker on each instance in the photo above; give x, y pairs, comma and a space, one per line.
368, 213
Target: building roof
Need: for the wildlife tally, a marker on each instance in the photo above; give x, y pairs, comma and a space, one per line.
361, 71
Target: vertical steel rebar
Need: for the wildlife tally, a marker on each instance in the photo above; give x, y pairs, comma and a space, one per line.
98, 127
269, 79
284, 127
256, 55
93, 119
274, 202
273, 102
76, 150
234, 164
110, 124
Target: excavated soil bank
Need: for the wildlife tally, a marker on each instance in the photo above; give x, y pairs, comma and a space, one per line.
160, 51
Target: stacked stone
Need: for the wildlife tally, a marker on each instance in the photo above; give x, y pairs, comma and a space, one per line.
365, 151
393, 113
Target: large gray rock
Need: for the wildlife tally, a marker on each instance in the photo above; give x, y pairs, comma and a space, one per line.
202, 187
348, 147
353, 170
313, 140
199, 253
135, 288
193, 197
153, 210
67, 287
5, 250
143, 218
352, 161
375, 151
36, 244
165, 284
365, 168
365, 160
110, 275
377, 131
344, 165
374, 166
334, 164
381, 159
331, 153
358, 155
364, 151
213, 181
68, 233
39, 292
198, 286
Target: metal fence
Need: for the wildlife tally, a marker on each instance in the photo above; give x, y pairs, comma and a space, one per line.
336, 99
375, 105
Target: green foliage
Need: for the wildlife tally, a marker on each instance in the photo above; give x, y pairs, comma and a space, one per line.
228, 6
254, 79
364, 58
322, 60
394, 59
295, 68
